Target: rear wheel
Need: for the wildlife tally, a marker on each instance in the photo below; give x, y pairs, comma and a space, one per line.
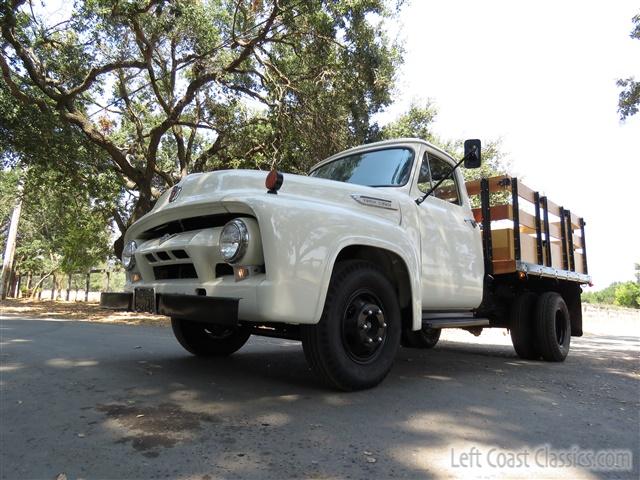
424, 338
553, 327
206, 340
354, 344
521, 324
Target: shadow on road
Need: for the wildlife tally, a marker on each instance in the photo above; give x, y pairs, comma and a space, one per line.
153, 410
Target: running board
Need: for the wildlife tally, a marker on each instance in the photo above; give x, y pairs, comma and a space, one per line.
454, 322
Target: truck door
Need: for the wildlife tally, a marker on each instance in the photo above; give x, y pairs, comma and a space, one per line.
451, 245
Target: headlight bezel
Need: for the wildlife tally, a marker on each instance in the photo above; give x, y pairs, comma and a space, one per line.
128, 255
243, 242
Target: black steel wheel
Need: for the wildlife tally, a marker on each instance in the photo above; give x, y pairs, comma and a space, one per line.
364, 330
207, 340
522, 327
354, 344
553, 327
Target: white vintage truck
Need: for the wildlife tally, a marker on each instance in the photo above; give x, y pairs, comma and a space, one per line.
378, 247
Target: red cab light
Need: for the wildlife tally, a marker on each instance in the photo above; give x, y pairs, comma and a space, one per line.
274, 181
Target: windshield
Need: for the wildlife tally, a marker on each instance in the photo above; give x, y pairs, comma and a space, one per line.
390, 167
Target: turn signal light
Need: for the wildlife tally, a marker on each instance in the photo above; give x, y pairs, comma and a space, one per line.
136, 277
240, 273
274, 181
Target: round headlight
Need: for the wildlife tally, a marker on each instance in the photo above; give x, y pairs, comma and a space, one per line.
234, 239
128, 259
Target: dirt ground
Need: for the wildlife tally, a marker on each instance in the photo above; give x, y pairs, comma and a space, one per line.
597, 319
81, 311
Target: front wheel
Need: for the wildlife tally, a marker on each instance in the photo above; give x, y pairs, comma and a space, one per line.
354, 344
206, 340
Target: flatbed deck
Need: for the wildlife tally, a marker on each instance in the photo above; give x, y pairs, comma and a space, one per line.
525, 233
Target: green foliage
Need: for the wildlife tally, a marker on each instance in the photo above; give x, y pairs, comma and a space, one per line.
64, 231
624, 294
630, 95
8, 190
628, 295
417, 122
167, 87
606, 295
70, 190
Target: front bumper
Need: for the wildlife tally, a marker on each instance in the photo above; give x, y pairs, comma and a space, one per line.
213, 310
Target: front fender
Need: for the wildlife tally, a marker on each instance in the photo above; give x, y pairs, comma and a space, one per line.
301, 240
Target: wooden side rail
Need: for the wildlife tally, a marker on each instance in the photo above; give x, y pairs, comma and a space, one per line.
542, 233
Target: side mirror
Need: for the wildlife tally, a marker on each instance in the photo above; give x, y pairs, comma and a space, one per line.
472, 155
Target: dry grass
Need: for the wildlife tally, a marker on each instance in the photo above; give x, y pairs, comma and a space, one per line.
80, 311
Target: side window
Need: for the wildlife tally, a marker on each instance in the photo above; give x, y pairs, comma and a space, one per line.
424, 178
435, 170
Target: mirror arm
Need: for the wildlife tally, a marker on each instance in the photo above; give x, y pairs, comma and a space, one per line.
433, 189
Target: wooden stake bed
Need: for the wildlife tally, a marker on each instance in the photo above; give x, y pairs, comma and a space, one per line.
528, 233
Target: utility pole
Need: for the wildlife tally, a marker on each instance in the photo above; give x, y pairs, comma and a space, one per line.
10, 248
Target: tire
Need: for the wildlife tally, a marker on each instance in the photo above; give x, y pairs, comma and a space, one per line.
361, 305
521, 324
425, 338
553, 327
205, 340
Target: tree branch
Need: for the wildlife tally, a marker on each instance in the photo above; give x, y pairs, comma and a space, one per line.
95, 72
15, 90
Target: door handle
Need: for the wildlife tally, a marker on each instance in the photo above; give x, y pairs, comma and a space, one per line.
471, 221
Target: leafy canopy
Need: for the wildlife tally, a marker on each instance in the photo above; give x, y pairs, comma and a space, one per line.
168, 87
630, 95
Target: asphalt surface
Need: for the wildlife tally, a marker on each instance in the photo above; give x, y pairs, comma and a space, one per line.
115, 401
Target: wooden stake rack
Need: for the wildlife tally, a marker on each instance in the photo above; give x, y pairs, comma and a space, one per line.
529, 233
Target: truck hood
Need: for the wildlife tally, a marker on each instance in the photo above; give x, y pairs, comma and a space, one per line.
237, 185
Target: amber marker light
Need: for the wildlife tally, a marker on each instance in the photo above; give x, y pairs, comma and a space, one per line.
274, 181
522, 275
136, 277
240, 273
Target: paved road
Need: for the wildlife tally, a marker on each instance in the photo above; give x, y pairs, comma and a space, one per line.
114, 401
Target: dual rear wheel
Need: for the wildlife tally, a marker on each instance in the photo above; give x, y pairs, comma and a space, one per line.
540, 326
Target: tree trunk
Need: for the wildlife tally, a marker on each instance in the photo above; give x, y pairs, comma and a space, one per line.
53, 288
68, 287
10, 249
17, 293
38, 285
143, 206
86, 292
